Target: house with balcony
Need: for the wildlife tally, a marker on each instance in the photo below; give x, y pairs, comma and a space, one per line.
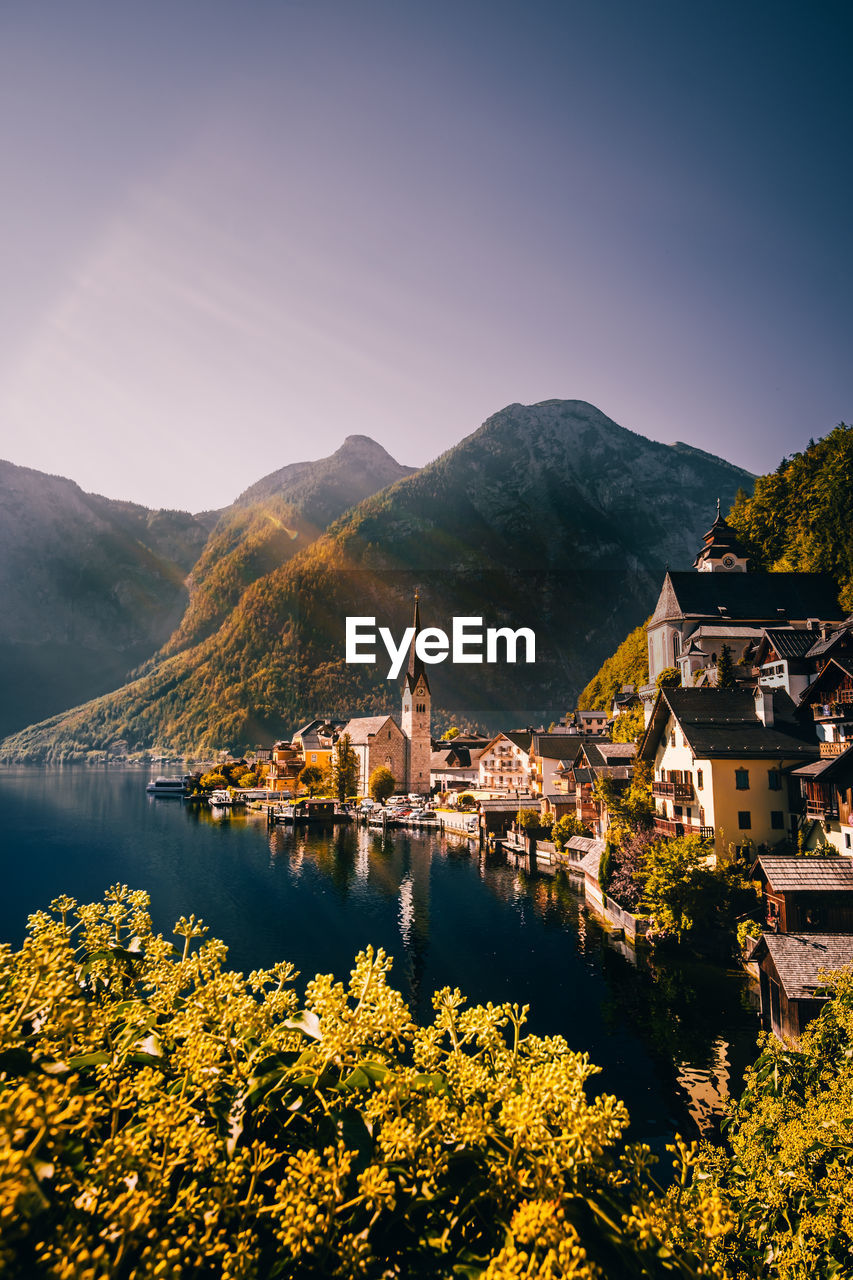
721, 761
505, 764
827, 796
576, 777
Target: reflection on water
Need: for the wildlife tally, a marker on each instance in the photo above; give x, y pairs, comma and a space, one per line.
672, 1038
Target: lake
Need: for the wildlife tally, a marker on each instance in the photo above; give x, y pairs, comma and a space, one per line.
672, 1037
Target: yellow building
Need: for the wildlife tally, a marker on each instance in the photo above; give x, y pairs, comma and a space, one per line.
721, 760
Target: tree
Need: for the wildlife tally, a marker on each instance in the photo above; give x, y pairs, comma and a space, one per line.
450, 734
669, 678
528, 821
566, 827
726, 669
344, 769
311, 778
381, 783
628, 807
684, 891
629, 727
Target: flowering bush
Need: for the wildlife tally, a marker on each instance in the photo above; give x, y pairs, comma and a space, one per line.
161, 1115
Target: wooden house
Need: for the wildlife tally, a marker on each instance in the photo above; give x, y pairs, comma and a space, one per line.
806, 895
790, 976
827, 793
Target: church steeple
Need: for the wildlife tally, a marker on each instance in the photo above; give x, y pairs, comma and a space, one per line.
722, 552
415, 720
415, 670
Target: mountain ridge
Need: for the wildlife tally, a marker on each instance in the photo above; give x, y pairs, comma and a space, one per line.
551, 511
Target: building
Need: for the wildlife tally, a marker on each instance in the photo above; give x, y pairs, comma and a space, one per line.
806, 895
416, 717
315, 741
455, 764
790, 976
378, 741
827, 796
721, 760
505, 763
723, 602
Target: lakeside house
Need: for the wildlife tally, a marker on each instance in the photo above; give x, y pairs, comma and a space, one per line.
791, 968
721, 760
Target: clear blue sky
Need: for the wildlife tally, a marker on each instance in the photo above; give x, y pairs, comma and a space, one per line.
236, 232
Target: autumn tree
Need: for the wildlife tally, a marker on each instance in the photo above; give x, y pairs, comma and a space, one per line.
381, 783
311, 778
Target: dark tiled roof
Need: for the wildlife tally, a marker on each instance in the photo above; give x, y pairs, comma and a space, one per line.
790, 643
827, 767
800, 957
817, 875
764, 597
521, 738
551, 746
724, 722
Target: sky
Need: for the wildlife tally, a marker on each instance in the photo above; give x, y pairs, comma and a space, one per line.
235, 233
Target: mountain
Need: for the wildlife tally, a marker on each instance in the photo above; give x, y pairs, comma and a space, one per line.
93, 587
90, 588
272, 521
550, 516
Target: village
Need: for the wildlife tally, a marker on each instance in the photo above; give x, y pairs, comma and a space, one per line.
738, 744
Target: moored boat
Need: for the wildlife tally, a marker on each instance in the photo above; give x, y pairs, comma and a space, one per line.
166, 787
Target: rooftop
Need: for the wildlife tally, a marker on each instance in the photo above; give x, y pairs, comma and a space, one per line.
800, 957
817, 875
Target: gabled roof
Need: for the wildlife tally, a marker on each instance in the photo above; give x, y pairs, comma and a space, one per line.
725, 723
830, 675
550, 746
827, 768
787, 874
365, 727
747, 597
786, 642
799, 958
617, 752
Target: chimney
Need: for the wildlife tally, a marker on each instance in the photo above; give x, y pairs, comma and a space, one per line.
764, 706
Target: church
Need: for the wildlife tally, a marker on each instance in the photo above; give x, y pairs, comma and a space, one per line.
722, 602
403, 748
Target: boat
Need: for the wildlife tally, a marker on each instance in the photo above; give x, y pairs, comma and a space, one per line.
166, 787
220, 798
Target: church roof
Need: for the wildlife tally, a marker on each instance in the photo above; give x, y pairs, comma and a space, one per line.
747, 597
363, 728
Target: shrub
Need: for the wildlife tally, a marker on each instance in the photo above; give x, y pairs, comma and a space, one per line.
162, 1115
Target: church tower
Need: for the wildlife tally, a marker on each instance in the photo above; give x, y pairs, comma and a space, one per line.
722, 552
415, 718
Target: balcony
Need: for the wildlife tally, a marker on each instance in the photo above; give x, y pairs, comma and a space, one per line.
821, 809
666, 827
840, 709
677, 791
833, 748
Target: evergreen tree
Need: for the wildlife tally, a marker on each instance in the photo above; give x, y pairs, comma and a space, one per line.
344, 769
726, 669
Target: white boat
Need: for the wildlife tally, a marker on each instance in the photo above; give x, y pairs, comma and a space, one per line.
166, 787
221, 798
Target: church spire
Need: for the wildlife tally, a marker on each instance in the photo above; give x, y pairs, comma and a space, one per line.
415, 670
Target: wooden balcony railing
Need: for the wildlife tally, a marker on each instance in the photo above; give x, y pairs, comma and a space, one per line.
678, 791
833, 748
666, 827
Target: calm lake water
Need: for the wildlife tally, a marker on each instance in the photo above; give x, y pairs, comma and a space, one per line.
672, 1038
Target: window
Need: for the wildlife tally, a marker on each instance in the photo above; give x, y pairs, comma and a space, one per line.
777, 819
313, 757
774, 779
672, 739
699, 782
742, 779
846, 839
744, 819
389, 733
